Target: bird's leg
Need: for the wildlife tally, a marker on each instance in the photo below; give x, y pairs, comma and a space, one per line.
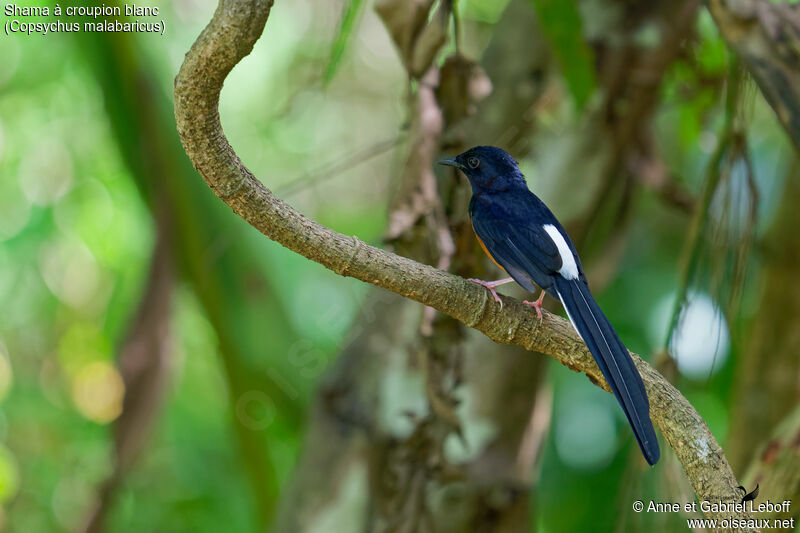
491, 285
536, 304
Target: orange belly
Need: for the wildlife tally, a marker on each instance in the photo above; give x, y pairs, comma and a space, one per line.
487, 251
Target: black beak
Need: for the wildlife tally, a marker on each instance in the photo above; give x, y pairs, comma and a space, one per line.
451, 163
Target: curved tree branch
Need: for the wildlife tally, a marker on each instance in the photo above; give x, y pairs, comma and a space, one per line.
766, 35
230, 36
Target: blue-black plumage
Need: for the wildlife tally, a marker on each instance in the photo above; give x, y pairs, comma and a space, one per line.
520, 233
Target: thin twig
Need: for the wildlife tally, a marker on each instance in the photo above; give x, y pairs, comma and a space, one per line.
336, 168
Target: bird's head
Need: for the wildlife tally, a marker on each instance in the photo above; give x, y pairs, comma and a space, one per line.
488, 169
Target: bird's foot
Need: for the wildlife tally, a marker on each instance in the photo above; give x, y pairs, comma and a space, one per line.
536, 304
491, 285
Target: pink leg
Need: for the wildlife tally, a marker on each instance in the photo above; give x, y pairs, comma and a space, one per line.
537, 304
491, 285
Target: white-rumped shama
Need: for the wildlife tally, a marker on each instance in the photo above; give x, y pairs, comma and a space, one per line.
521, 235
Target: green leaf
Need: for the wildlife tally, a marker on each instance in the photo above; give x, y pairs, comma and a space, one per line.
560, 20
351, 13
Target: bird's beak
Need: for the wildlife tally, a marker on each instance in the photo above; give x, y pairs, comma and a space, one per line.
451, 163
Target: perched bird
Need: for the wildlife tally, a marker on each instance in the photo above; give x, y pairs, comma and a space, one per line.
522, 236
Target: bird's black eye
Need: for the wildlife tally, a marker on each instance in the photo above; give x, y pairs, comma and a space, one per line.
473, 162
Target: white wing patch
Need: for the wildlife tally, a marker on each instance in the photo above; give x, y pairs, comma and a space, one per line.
569, 269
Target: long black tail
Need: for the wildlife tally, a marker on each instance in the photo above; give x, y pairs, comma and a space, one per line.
613, 359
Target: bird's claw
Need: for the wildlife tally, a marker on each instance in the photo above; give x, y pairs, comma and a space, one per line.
537, 305
490, 286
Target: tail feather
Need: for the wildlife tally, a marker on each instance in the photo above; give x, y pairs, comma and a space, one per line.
613, 359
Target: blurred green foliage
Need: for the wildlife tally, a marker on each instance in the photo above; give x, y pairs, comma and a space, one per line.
561, 22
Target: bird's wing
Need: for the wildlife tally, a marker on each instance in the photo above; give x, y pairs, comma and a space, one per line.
519, 246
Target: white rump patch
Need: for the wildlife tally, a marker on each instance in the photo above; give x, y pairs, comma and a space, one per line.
569, 269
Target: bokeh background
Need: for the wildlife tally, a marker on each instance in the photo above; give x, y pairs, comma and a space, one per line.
163, 367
